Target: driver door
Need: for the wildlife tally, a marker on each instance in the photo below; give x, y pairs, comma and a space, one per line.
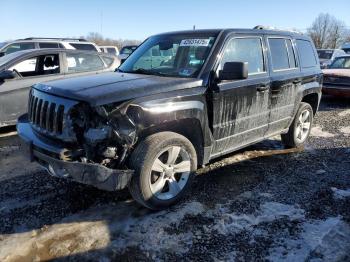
14, 92
240, 107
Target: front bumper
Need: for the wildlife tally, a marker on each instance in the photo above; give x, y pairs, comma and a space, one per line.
47, 154
336, 90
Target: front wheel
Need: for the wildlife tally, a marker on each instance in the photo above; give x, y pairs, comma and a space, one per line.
300, 128
164, 164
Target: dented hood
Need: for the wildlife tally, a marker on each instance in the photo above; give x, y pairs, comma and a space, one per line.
113, 87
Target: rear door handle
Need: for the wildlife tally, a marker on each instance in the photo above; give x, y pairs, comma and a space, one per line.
262, 88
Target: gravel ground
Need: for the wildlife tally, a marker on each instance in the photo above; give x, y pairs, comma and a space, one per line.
264, 203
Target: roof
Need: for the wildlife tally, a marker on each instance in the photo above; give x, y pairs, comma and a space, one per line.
236, 30
17, 55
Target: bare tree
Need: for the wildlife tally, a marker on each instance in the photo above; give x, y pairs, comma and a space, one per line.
327, 31
100, 40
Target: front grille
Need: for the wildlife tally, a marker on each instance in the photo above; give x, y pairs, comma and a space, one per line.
48, 114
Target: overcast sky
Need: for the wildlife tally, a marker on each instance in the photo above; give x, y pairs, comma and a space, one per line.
138, 19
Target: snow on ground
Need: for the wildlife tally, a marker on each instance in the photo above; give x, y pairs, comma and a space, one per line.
340, 194
345, 130
317, 131
344, 113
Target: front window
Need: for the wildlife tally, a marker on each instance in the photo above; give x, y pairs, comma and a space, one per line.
171, 55
341, 63
38, 66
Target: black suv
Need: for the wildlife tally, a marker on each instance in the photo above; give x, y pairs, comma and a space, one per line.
180, 100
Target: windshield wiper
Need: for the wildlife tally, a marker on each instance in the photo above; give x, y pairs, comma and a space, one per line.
145, 72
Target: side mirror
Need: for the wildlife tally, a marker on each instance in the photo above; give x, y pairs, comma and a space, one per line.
234, 71
2, 54
7, 74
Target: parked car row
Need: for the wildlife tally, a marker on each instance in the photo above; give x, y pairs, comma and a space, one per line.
20, 70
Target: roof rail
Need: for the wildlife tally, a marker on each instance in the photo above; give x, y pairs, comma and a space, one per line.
54, 38
262, 27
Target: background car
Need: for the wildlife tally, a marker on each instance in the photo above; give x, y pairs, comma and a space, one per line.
20, 70
327, 56
336, 79
126, 51
346, 47
113, 50
37, 43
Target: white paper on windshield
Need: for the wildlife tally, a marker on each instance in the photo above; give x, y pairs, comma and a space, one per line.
195, 42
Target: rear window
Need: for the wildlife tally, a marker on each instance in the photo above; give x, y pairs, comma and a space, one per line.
87, 47
306, 53
48, 45
325, 54
111, 51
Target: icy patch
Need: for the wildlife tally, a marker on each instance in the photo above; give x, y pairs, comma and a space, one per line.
329, 239
345, 130
340, 194
344, 113
269, 212
150, 233
318, 132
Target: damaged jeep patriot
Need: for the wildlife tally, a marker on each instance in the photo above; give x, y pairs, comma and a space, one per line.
179, 101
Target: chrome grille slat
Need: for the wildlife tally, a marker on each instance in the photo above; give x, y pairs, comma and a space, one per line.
46, 113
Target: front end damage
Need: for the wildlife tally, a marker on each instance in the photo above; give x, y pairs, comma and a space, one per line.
90, 146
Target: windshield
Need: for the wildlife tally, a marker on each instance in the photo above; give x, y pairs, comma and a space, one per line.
127, 50
341, 63
2, 44
171, 55
325, 54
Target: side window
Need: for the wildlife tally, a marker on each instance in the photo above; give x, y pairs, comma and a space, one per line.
18, 47
87, 47
111, 51
38, 66
48, 45
279, 54
26, 66
155, 51
306, 54
83, 63
245, 50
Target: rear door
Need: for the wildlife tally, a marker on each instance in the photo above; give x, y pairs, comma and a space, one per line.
14, 92
285, 80
240, 107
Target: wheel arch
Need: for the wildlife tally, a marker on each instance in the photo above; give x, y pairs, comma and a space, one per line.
190, 128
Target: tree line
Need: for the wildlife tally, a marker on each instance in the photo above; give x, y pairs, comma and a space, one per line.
328, 32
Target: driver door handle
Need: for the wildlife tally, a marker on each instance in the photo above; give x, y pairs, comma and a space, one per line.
262, 88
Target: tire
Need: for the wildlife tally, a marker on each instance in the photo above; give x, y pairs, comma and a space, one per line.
156, 184
299, 130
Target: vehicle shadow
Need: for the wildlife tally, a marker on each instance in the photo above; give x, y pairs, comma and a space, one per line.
73, 209
329, 103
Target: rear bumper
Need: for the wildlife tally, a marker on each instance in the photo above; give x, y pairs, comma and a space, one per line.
90, 174
334, 90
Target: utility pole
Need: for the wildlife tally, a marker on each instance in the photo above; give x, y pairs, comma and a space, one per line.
101, 22
194, 27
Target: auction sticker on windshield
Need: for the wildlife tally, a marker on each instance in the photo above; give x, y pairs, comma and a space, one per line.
195, 42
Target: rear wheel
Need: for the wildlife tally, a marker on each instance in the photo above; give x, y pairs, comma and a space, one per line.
300, 128
164, 164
